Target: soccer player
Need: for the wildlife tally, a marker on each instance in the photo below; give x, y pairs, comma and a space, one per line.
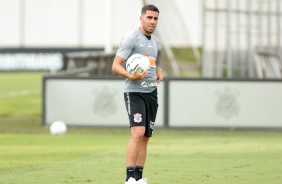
140, 93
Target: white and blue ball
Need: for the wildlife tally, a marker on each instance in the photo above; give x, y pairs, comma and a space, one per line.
137, 60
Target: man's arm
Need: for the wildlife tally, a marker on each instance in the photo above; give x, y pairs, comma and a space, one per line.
159, 73
118, 69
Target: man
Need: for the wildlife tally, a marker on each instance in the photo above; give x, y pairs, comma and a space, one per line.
140, 92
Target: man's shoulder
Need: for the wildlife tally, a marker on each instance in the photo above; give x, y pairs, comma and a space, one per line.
133, 34
155, 38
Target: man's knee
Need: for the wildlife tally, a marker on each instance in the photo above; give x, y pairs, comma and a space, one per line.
138, 132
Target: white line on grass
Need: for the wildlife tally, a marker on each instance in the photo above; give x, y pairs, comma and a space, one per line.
19, 93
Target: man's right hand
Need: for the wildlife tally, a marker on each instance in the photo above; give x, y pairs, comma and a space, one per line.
135, 75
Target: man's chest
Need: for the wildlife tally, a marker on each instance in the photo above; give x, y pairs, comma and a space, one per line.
147, 47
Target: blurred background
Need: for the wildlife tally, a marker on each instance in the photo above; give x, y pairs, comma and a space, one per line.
54, 28
55, 55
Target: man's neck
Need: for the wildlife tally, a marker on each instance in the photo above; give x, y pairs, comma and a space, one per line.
145, 33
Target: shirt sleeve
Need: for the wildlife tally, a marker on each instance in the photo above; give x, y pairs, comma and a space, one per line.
126, 47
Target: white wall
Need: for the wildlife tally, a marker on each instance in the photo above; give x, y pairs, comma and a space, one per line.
80, 23
192, 103
203, 103
9, 23
52, 23
100, 102
191, 12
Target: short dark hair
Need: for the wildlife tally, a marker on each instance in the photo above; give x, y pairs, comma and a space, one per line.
149, 7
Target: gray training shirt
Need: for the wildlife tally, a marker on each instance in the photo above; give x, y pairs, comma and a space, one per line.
137, 43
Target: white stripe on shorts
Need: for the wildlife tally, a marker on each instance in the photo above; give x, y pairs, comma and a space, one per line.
128, 104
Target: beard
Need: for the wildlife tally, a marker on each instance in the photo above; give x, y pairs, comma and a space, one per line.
149, 30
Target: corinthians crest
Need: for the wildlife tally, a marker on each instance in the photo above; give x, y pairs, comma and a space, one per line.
227, 105
104, 104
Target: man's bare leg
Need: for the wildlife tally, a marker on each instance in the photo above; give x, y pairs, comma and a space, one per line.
140, 162
133, 147
142, 153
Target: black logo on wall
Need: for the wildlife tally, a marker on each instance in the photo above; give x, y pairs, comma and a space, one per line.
227, 105
104, 102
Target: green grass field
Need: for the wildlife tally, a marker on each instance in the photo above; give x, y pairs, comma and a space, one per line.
29, 154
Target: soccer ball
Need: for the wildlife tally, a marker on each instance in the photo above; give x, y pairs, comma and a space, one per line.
137, 60
58, 128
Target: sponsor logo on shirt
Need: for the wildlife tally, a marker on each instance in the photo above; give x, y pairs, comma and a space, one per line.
156, 47
146, 84
150, 45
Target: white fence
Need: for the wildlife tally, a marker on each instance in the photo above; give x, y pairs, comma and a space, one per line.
190, 103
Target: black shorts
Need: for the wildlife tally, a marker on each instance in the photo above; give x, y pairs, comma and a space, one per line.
142, 109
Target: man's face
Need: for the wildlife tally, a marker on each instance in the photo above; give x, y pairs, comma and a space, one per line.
149, 21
